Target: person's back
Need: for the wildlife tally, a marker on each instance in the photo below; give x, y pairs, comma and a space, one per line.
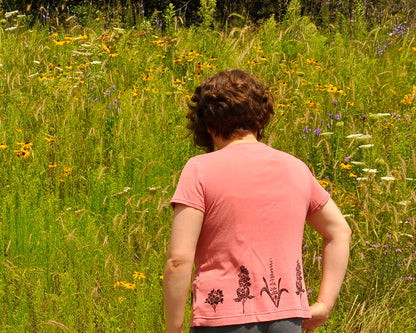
255, 200
239, 217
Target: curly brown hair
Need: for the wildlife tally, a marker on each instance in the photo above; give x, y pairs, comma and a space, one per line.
229, 103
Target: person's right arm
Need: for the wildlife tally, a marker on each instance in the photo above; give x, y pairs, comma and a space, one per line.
330, 223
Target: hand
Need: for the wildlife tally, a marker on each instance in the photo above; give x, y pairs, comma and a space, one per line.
320, 313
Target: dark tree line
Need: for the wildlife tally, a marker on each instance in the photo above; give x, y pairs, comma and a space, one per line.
323, 12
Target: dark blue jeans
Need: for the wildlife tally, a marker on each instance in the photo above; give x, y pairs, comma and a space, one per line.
291, 325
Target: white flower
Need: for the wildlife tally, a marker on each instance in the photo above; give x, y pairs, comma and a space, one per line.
362, 178
379, 115
359, 136
96, 62
327, 133
366, 146
33, 75
8, 14
370, 170
36, 62
404, 203
357, 163
10, 29
388, 178
410, 179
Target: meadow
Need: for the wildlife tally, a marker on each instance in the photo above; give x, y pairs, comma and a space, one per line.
93, 139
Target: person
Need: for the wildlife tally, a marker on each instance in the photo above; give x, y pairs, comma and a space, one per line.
239, 215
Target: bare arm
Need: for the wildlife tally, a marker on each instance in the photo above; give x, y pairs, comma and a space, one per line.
330, 223
187, 223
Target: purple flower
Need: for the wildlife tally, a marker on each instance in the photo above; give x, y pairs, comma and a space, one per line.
328, 125
317, 132
96, 99
114, 86
364, 117
335, 101
389, 235
409, 278
367, 242
330, 115
337, 116
108, 92
399, 250
376, 246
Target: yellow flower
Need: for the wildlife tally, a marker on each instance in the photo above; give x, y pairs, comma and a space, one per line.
24, 153
113, 55
345, 166
139, 275
353, 175
332, 89
121, 299
161, 277
67, 171
52, 165
106, 48
324, 183
3, 146
350, 103
82, 36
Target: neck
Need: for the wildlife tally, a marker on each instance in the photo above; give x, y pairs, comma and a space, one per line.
221, 143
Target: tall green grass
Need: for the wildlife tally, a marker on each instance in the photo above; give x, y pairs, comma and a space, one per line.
93, 139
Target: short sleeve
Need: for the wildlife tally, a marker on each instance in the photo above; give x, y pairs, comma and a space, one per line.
190, 189
319, 196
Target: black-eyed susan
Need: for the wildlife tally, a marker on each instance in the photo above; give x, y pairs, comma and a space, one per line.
345, 166
106, 48
139, 276
3, 146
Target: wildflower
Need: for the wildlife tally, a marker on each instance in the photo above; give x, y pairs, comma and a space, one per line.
332, 89
350, 103
388, 178
52, 166
345, 166
24, 153
324, 183
67, 171
113, 55
106, 48
3, 146
353, 175
366, 146
139, 275
370, 170
379, 115
121, 299
317, 132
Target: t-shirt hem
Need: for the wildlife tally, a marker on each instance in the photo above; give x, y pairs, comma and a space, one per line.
249, 318
187, 203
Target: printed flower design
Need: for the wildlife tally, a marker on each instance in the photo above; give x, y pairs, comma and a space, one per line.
214, 298
299, 289
243, 291
274, 292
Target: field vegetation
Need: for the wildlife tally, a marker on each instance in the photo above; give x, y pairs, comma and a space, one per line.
93, 139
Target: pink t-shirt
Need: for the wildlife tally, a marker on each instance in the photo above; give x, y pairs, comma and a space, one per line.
248, 262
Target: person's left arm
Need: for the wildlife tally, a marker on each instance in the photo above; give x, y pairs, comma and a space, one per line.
187, 223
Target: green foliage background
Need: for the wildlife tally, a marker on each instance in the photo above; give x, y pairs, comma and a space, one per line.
93, 139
